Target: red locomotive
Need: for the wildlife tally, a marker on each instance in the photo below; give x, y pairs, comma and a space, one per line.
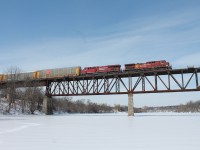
162, 64
101, 69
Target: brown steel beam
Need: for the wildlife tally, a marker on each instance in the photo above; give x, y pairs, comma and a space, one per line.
135, 92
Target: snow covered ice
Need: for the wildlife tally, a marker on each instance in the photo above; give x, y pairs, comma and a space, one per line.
117, 131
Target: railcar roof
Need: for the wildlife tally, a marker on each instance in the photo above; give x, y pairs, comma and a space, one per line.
104, 66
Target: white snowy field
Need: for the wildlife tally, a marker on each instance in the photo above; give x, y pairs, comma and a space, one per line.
147, 131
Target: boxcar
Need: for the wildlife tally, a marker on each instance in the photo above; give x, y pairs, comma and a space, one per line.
58, 72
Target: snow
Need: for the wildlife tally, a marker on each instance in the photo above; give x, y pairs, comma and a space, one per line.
117, 131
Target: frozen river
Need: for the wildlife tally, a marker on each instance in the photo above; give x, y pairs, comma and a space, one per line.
147, 131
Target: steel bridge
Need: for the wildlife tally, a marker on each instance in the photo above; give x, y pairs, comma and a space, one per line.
135, 82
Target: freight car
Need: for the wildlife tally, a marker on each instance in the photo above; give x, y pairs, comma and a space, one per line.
162, 64
17, 76
58, 72
42, 74
1, 77
101, 69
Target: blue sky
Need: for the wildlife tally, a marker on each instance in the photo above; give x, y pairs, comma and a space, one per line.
42, 34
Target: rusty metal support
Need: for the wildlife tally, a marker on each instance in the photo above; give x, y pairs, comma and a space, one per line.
196, 77
104, 85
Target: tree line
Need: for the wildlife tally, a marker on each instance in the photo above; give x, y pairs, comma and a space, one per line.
30, 100
66, 104
188, 107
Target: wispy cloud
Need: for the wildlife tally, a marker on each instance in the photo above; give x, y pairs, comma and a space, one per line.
152, 38
189, 60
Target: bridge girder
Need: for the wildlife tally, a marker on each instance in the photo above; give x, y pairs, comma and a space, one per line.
136, 83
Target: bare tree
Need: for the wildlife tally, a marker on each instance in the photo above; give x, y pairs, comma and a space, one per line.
31, 96
11, 77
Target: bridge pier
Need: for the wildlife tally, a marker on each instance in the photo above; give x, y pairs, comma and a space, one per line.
47, 105
130, 104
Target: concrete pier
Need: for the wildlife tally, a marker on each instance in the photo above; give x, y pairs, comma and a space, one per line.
47, 105
130, 105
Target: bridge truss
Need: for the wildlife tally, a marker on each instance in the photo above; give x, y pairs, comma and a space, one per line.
153, 81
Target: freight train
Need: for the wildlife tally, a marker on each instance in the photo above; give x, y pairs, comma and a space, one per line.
77, 71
